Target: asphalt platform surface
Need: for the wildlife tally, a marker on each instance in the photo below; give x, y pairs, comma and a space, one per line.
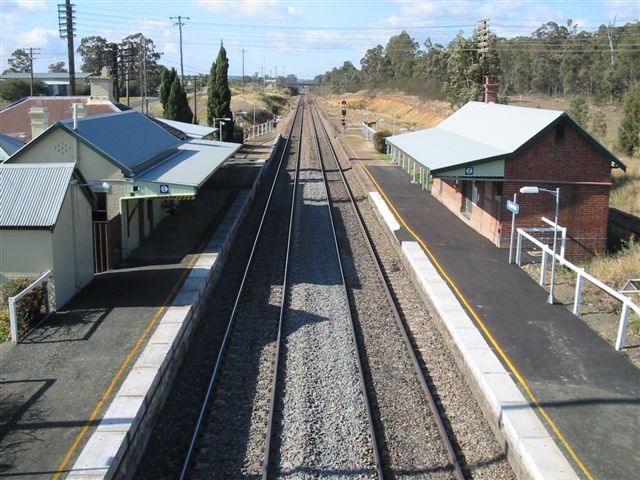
590, 391
51, 382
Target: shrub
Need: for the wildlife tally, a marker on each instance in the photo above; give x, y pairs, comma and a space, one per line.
378, 140
30, 309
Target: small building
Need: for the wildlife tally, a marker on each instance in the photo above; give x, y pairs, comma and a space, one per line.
476, 159
45, 224
58, 83
190, 129
137, 170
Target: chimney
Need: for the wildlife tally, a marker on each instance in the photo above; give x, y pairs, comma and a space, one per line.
490, 89
39, 120
102, 86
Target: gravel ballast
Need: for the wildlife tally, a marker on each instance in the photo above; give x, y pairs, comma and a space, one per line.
322, 431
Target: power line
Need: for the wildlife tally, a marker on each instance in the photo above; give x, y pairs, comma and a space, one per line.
180, 24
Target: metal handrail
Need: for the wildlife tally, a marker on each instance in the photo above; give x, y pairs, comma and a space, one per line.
627, 304
13, 318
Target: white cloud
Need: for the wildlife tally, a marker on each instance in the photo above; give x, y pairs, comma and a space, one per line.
170, 48
32, 5
38, 37
271, 9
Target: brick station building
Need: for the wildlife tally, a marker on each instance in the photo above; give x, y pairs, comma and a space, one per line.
476, 159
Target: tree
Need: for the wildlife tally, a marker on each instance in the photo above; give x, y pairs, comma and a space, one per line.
167, 77
219, 94
136, 45
177, 107
19, 61
464, 74
401, 53
629, 132
58, 67
15, 89
375, 67
92, 50
598, 125
579, 110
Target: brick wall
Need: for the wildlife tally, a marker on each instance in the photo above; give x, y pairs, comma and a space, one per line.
567, 163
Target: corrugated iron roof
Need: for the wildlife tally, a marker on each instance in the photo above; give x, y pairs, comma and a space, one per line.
130, 138
192, 165
194, 131
9, 145
31, 194
477, 131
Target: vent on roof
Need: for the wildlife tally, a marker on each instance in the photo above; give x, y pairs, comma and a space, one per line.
62, 148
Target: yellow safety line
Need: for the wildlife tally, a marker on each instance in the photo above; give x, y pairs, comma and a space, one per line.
123, 367
481, 324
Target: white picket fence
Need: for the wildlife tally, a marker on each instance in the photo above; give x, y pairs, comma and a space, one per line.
13, 317
255, 131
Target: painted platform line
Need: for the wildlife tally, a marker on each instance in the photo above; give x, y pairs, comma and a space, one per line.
531, 450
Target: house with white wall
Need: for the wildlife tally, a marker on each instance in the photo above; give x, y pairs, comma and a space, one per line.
45, 224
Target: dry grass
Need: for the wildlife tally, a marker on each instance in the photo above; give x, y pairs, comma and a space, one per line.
616, 269
625, 193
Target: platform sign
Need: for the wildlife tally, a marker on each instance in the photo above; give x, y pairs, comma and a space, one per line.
164, 189
513, 207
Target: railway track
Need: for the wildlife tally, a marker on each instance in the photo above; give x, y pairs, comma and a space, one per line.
315, 375
408, 422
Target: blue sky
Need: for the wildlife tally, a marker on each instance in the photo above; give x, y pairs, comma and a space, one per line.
301, 37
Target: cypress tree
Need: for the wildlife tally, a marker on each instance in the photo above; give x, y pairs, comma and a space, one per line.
167, 78
177, 104
629, 132
219, 99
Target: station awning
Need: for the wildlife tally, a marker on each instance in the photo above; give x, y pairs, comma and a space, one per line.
186, 171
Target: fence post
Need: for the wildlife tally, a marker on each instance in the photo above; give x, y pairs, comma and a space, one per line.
622, 328
518, 250
543, 267
577, 301
413, 174
13, 320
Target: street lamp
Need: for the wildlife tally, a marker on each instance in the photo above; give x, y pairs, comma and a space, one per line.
556, 194
222, 120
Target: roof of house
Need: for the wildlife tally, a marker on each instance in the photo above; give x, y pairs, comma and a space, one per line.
55, 76
130, 139
9, 145
193, 163
194, 131
32, 193
16, 122
480, 132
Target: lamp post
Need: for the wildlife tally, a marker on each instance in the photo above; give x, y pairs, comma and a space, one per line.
556, 194
222, 120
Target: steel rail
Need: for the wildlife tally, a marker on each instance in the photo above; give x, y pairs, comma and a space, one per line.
274, 382
230, 324
444, 436
363, 385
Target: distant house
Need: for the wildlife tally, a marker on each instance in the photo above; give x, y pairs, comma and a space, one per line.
134, 166
191, 130
58, 84
45, 224
483, 153
29, 117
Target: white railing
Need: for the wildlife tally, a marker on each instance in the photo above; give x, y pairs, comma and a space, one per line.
627, 304
368, 132
13, 318
255, 131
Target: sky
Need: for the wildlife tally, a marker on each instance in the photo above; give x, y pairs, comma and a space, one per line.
300, 37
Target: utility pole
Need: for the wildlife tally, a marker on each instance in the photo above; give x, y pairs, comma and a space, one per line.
143, 48
31, 53
66, 27
180, 24
127, 58
243, 70
195, 99
276, 79
483, 45
263, 79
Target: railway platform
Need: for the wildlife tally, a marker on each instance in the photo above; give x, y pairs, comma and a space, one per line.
585, 393
56, 384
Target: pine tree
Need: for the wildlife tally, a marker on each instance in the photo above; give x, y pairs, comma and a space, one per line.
219, 99
167, 78
177, 104
629, 132
579, 110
